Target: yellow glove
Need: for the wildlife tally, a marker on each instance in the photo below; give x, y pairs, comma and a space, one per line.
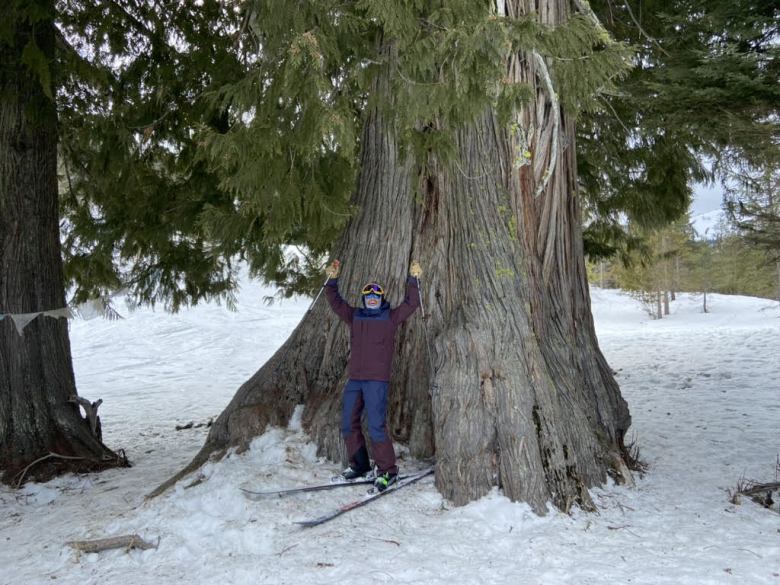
332, 271
415, 269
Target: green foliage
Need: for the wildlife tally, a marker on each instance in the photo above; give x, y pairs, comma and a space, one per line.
673, 260
36, 60
754, 203
134, 188
737, 267
193, 136
705, 84
657, 265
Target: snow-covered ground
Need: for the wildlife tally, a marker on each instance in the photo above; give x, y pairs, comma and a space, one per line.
703, 392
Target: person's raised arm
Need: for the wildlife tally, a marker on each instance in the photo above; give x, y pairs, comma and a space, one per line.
412, 299
337, 303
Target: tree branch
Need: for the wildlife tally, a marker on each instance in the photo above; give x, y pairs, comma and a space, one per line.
584, 7
643, 31
90, 408
139, 25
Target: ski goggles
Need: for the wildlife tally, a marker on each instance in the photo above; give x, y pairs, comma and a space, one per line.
373, 289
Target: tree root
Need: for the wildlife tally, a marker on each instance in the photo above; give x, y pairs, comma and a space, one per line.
24, 471
119, 461
201, 458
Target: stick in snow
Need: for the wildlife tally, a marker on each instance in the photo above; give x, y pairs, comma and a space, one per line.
127, 541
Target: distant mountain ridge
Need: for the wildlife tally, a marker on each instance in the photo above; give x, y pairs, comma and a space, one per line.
707, 225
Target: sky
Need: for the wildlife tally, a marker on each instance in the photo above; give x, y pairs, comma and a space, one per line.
706, 198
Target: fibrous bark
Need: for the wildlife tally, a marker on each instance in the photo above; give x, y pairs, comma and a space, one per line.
39, 421
514, 391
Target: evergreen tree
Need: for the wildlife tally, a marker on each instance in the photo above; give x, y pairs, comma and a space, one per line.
116, 89
194, 134
739, 267
676, 259
458, 124
41, 429
705, 85
657, 270
449, 128
133, 77
754, 206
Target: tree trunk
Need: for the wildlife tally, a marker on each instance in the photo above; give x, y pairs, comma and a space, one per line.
666, 302
777, 269
37, 417
516, 392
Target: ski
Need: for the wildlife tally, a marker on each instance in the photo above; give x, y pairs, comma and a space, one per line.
401, 483
259, 495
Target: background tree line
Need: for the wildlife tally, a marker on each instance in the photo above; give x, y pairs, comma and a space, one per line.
738, 255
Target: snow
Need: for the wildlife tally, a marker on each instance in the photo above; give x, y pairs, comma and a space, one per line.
703, 394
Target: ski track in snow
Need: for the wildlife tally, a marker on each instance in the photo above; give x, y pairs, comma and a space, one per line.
702, 389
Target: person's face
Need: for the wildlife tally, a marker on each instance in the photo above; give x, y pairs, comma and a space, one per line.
373, 301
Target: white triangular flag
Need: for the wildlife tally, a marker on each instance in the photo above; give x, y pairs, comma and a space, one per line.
59, 313
22, 320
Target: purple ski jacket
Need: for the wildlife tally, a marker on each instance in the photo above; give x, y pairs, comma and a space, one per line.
372, 331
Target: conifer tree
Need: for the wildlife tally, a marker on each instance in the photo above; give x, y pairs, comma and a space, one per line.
113, 88
657, 269
457, 123
705, 85
753, 203
41, 429
373, 131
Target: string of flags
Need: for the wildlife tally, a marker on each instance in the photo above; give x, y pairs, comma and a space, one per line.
22, 320
91, 309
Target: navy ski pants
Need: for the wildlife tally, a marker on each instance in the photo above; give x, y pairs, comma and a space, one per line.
369, 396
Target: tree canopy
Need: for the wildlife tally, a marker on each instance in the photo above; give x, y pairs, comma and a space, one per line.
210, 132
196, 134
704, 86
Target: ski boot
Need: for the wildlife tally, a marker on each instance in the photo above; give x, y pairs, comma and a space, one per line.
354, 472
359, 467
385, 480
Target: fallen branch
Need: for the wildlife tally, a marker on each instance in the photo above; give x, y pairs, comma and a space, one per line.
758, 488
761, 493
395, 542
127, 542
285, 549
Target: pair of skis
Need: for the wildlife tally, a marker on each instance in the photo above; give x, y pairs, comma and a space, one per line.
372, 496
